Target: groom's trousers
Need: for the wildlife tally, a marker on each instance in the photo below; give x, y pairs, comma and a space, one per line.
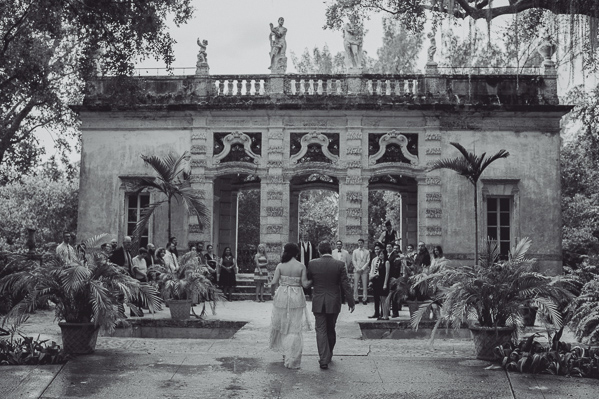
325, 335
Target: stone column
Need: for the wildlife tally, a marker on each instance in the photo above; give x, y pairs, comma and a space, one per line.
201, 181
353, 188
431, 214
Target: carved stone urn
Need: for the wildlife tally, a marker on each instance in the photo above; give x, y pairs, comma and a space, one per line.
547, 48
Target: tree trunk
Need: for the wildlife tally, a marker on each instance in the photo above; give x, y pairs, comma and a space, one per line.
169, 220
475, 224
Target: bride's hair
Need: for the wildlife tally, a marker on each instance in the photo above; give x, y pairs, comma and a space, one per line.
290, 251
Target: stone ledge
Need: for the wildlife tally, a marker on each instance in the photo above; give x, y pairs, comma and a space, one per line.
169, 328
389, 329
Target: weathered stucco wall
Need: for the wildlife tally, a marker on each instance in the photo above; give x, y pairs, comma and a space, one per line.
113, 141
111, 147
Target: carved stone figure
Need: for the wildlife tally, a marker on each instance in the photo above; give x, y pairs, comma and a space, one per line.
202, 64
278, 47
352, 41
432, 48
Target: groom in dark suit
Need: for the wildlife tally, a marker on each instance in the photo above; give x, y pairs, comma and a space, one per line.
328, 277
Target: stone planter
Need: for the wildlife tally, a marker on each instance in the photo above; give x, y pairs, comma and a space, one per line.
180, 309
79, 338
486, 339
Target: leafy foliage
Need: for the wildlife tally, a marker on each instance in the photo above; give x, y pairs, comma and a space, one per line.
580, 178
190, 282
493, 293
320, 61
558, 358
318, 215
585, 318
50, 48
248, 230
30, 351
87, 290
173, 180
39, 202
400, 50
382, 206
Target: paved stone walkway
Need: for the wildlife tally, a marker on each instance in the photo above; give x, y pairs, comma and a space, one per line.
243, 367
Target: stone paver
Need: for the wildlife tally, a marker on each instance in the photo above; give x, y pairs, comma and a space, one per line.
243, 367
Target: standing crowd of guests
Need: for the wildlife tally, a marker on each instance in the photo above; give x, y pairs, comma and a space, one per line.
384, 269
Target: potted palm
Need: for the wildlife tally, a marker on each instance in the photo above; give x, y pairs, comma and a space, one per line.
489, 296
424, 299
88, 294
180, 288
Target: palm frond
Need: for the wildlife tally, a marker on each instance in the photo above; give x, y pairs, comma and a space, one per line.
488, 161
518, 252
94, 241
195, 204
459, 165
469, 157
144, 219
74, 277
490, 254
162, 166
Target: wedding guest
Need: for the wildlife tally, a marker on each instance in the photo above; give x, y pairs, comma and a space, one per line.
226, 273
389, 236
379, 271
139, 268
409, 260
171, 262
173, 240
438, 259
65, 251
211, 261
395, 273
260, 272
341, 254
122, 255
423, 258
361, 262
151, 256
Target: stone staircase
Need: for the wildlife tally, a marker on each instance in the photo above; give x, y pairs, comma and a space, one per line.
246, 289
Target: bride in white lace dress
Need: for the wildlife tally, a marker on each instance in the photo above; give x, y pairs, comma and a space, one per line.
289, 312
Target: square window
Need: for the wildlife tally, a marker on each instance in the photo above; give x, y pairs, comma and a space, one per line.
504, 219
504, 204
492, 219
492, 233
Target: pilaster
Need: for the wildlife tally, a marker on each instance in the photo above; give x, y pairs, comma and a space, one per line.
200, 182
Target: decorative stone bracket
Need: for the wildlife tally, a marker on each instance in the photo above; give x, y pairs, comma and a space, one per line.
397, 138
314, 138
237, 138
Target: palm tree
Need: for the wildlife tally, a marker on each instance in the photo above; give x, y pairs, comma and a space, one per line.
471, 167
173, 181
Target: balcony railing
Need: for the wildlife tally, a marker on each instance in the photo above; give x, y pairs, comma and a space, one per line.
441, 87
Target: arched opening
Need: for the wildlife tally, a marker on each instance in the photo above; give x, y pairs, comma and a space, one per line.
237, 217
393, 198
314, 208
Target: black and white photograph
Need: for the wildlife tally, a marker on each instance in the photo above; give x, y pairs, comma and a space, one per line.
288, 199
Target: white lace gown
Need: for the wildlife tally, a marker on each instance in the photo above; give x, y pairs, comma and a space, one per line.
289, 315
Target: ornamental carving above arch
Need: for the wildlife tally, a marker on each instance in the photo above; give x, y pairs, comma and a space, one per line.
238, 141
394, 139
312, 139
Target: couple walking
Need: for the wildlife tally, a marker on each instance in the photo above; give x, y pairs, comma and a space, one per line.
328, 277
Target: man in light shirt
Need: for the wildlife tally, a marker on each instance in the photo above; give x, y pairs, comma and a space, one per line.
65, 251
341, 254
170, 259
361, 262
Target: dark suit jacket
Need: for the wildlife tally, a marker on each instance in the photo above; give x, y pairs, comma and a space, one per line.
329, 277
308, 255
118, 258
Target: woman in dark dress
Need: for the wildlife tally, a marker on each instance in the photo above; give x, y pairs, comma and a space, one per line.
226, 272
211, 262
379, 272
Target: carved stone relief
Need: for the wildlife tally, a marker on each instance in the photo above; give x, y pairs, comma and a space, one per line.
393, 139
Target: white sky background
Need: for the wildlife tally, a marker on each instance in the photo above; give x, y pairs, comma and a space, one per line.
237, 33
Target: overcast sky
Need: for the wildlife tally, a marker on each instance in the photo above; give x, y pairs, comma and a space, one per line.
237, 33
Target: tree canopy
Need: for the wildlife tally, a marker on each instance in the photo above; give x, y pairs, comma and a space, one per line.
49, 49
412, 12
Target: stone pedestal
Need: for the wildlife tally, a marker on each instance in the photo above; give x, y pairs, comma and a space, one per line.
202, 69
431, 80
354, 84
280, 66
549, 91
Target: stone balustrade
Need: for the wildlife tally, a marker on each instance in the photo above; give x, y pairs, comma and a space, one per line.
429, 88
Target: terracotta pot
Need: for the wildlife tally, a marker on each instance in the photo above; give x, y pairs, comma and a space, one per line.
79, 338
486, 339
180, 309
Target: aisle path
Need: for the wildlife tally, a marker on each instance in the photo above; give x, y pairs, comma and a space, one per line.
243, 367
